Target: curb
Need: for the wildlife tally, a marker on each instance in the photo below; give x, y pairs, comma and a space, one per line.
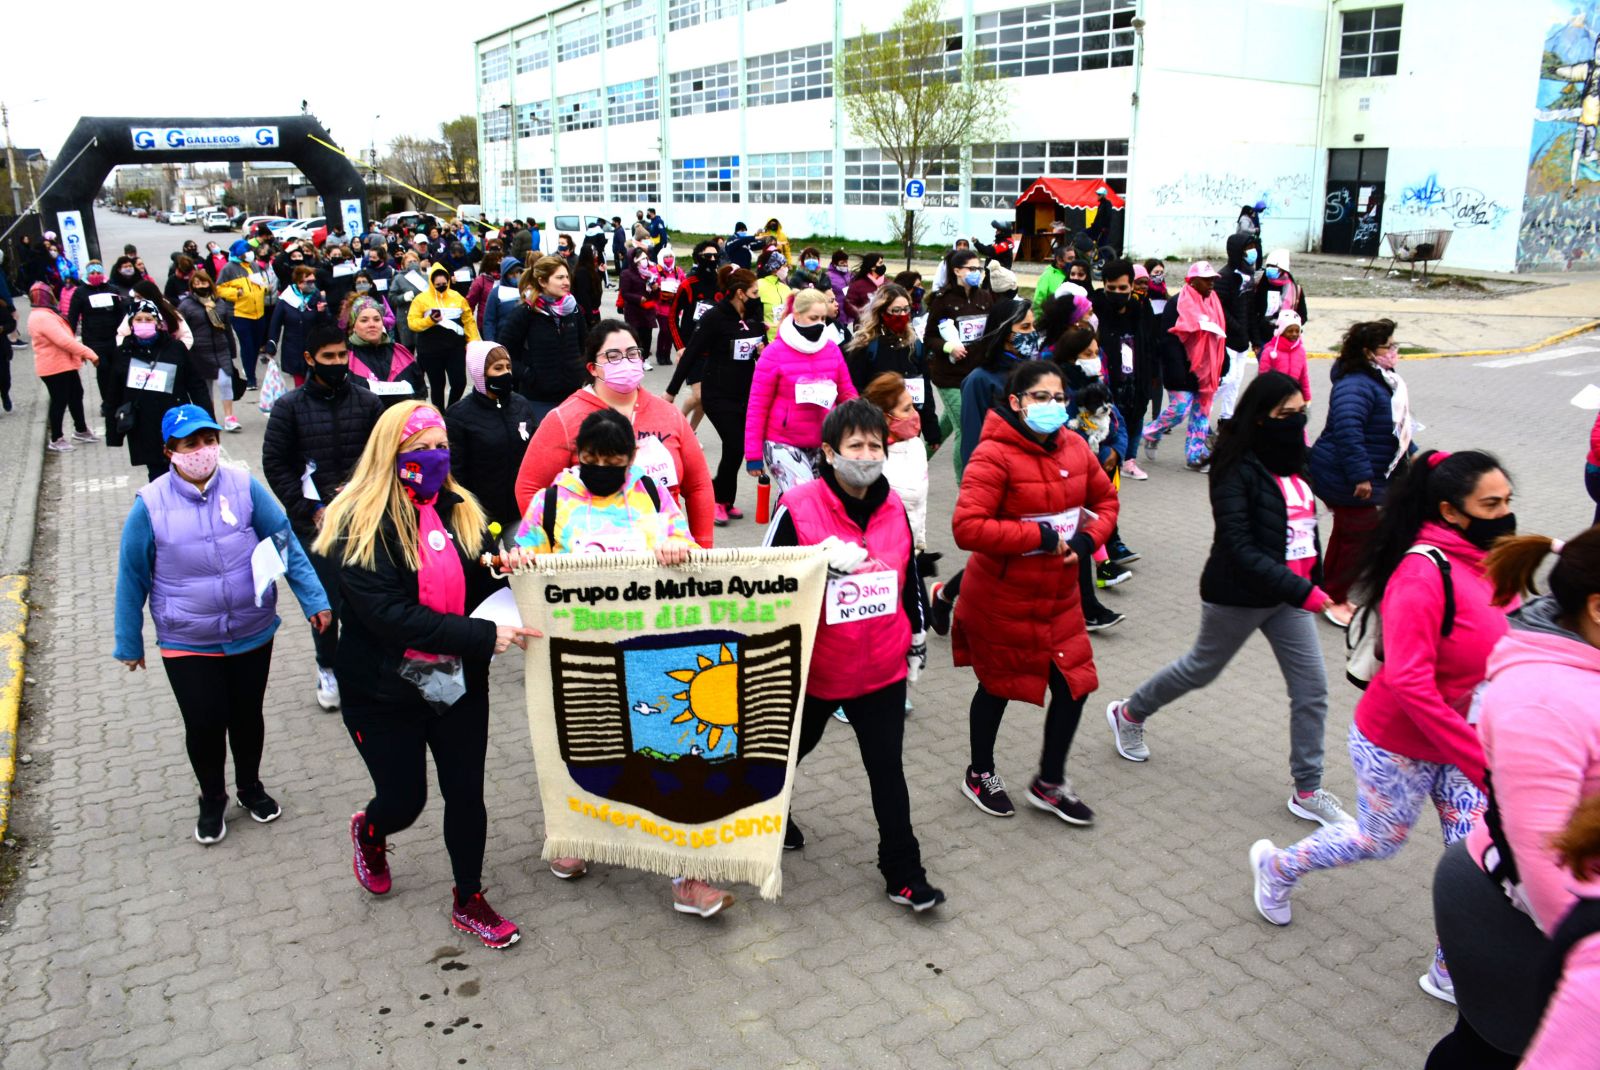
1559, 336
12, 646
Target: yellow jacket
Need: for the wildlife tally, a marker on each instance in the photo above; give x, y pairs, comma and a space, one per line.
774, 295
429, 299
249, 299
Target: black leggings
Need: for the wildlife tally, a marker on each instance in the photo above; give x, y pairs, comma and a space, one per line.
727, 417
879, 721
663, 343
440, 366
326, 642
105, 376
394, 739
220, 699
66, 395
1060, 725
1464, 1049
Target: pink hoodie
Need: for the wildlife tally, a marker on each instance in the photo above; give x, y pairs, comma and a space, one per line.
1541, 734
1282, 355
1567, 1037
788, 367
1417, 704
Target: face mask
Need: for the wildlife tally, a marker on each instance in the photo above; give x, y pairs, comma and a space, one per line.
1281, 444
602, 480
363, 287
1118, 301
973, 278
441, 285
307, 288
96, 278
1250, 257
201, 291
126, 272
810, 333
332, 375
1274, 273
144, 330
248, 258
856, 471
897, 322
499, 386
297, 260
623, 377
198, 464
906, 428
1045, 416
1091, 367
1386, 359
880, 271
423, 472
1026, 345
708, 261
1482, 532
812, 264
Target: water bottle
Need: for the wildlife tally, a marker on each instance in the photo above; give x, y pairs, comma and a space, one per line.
763, 498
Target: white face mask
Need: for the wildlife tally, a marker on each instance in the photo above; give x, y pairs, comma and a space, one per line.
1090, 366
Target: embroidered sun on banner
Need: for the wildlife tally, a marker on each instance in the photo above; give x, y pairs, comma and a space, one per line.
663, 705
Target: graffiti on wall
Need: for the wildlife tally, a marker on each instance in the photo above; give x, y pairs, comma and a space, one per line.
1561, 210
1229, 191
1461, 207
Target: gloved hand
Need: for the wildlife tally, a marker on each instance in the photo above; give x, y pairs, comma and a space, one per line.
843, 557
917, 657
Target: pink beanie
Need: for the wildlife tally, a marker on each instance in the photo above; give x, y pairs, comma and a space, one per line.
477, 357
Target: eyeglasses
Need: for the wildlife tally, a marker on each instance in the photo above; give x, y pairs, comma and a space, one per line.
1042, 396
617, 356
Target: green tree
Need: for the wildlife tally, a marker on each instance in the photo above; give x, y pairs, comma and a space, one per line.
916, 94
460, 137
140, 198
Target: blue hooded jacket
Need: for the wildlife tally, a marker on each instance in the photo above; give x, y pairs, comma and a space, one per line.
1357, 443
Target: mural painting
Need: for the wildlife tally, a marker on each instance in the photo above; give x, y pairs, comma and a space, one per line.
1561, 214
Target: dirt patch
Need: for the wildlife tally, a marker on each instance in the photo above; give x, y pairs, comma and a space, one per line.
1332, 279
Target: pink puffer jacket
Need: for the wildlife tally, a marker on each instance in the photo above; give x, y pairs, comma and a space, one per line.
789, 397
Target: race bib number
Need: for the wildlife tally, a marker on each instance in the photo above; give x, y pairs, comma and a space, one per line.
463, 275
701, 308
389, 390
656, 460
257, 279
1302, 509
450, 313
746, 348
381, 285
156, 378
1127, 358
670, 286
102, 300
414, 277
1274, 302
341, 271
861, 596
971, 327
506, 293
1065, 523
611, 540
819, 393
919, 389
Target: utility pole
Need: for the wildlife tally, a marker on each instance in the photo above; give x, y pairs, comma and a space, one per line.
11, 164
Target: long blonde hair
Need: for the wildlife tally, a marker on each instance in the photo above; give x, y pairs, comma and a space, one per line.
872, 326
374, 492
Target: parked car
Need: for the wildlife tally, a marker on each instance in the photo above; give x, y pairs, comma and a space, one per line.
141, 213
301, 229
181, 217
254, 221
214, 221
412, 221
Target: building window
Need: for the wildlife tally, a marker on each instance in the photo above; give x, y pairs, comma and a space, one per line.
533, 120
1000, 172
629, 20
495, 64
871, 178
580, 37
497, 125
798, 74
705, 179
578, 111
585, 183
757, 5
682, 13
536, 185
634, 102
1369, 43
946, 63
704, 90
636, 183
533, 53
790, 177
1072, 35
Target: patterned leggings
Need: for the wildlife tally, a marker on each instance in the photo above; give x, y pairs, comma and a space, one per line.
1391, 789
1180, 404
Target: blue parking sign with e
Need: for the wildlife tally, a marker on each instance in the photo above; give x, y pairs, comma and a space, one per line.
915, 188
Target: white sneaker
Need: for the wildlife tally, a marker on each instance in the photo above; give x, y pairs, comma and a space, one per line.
1437, 983
1127, 735
60, 445
231, 423
327, 689
1321, 805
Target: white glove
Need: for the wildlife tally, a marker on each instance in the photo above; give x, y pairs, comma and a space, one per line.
917, 657
843, 557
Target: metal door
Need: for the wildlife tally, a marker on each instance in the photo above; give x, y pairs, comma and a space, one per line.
1352, 212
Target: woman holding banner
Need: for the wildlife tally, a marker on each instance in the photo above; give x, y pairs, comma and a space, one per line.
413, 668
868, 647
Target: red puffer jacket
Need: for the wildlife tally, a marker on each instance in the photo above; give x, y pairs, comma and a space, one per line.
1016, 613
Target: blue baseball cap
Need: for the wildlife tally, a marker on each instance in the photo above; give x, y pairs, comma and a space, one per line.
184, 421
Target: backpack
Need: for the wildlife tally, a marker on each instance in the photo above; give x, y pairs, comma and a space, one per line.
549, 521
1363, 640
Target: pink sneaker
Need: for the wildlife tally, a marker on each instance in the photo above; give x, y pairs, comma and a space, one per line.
568, 868
474, 915
719, 517
1131, 470
735, 513
371, 863
690, 896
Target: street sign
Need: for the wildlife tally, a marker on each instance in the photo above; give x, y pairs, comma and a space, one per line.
913, 204
350, 213
915, 188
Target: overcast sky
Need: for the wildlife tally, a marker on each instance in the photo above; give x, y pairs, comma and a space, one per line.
188, 60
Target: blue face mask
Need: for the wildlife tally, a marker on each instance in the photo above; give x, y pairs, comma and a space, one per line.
1250, 257
1273, 273
811, 265
973, 279
1045, 416
1026, 346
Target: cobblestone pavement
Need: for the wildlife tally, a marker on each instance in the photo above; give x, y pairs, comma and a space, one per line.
1129, 944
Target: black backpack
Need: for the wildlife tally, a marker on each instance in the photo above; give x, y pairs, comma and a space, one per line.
549, 523
1363, 640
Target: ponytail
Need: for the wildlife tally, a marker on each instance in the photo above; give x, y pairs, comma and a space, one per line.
1512, 563
732, 277
1578, 845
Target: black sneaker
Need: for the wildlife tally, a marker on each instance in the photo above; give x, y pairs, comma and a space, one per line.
213, 823
262, 806
988, 793
1101, 619
917, 894
793, 838
1110, 574
1060, 801
1120, 554
939, 611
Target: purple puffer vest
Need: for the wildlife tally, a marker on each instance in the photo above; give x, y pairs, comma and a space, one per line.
202, 592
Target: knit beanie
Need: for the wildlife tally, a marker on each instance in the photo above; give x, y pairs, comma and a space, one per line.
477, 357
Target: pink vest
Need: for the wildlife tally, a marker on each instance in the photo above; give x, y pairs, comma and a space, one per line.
850, 660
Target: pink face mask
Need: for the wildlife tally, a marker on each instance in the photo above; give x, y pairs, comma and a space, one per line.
198, 463
1386, 358
624, 376
144, 329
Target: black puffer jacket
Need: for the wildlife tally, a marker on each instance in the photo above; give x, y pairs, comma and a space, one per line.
546, 352
143, 409
487, 440
1250, 538
312, 423
380, 619
1236, 290
213, 346
1172, 358
99, 324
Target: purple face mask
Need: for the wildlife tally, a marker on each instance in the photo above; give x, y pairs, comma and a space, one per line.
423, 472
